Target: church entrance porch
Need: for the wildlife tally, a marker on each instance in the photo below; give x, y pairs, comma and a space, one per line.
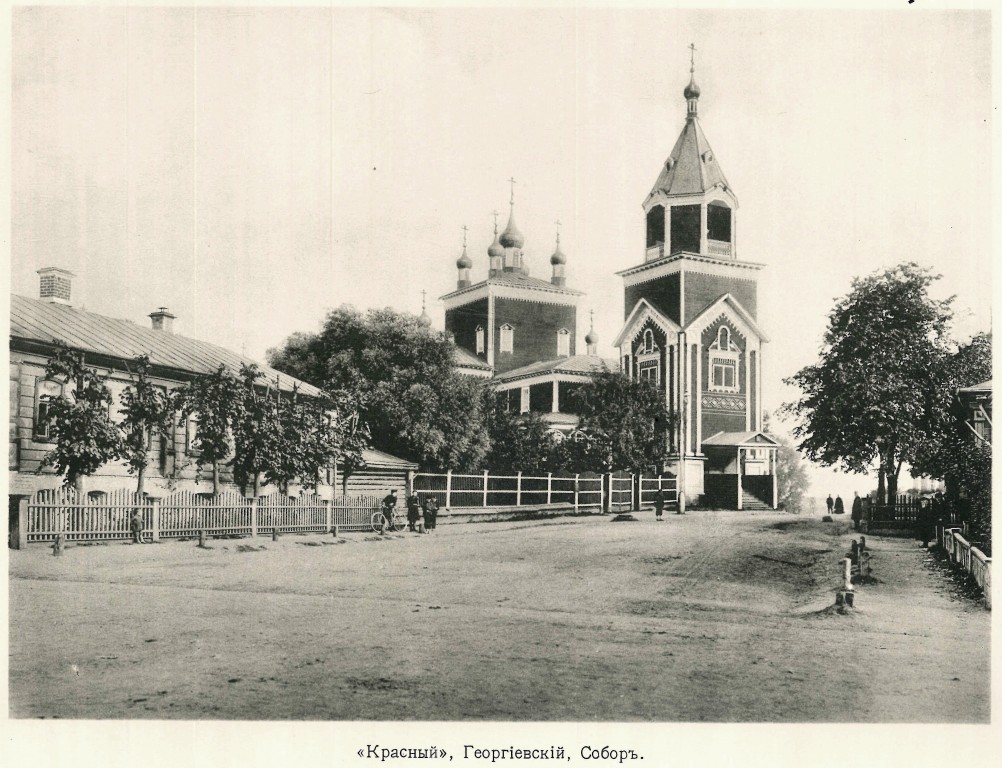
741, 470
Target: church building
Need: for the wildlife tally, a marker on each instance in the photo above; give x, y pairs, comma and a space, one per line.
691, 327
520, 330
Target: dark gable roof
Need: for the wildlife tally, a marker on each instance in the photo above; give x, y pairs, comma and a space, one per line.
586, 364
44, 322
517, 280
463, 358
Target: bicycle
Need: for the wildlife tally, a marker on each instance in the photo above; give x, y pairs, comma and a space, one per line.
379, 522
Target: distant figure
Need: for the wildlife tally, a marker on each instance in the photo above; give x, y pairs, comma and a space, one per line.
430, 513
413, 511
659, 504
926, 521
839, 506
136, 526
389, 504
857, 512
829, 503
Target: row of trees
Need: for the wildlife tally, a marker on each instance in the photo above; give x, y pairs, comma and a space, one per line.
883, 392
262, 433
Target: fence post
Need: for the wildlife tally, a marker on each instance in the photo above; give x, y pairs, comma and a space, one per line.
410, 482
638, 502
518, 490
576, 478
253, 506
549, 487
448, 488
328, 520
607, 497
155, 522
21, 542
485, 489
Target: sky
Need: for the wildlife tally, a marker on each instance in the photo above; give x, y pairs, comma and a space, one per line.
252, 168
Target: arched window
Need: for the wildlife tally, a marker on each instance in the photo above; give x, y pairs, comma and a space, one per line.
46, 391
649, 359
648, 345
563, 343
507, 338
480, 339
724, 338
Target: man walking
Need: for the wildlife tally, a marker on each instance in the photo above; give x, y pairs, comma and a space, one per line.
857, 511
659, 504
413, 511
829, 503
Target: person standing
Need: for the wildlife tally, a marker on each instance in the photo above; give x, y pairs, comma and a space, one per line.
829, 503
413, 511
430, 513
659, 504
389, 504
136, 526
857, 511
839, 506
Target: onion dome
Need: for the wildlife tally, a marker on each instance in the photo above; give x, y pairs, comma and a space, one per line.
591, 337
511, 237
558, 256
495, 250
463, 262
691, 90
424, 319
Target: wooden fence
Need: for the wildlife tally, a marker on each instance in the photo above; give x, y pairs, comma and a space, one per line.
99, 516
965, 557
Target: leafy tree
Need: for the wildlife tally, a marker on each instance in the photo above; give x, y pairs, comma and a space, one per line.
401, 373
214, 398
792, 480
520, 442
146, 410
627, 421
874, 393
80, 421
260, 445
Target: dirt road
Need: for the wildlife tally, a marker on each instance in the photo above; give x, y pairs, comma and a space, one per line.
706, 617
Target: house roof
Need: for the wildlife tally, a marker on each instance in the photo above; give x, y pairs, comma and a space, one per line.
692, 167
377, 458
463, 358
740, 439
45, 322
984, 386
585, 364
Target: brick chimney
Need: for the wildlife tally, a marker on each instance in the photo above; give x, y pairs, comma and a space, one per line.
55, 285
163, 320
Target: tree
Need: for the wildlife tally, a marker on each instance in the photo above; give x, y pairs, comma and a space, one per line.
214, 399
627, 422
80, 421
146, 411
401, 373
875, 389
260, 445
792, 481
520, 442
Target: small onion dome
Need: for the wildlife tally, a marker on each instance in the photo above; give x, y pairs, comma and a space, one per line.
591, 337
511, 237
558, 256
424, 319
691, 90
463, 262
495, 250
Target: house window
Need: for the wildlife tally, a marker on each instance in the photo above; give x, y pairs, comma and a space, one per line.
563, 343
982, 426
724, 363
191, 446
507, 338
480, 340
45, 392
524, 404
648, 345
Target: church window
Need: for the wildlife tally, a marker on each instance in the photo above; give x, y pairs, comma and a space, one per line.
685, 226
524, 404
45, 392
507, 338
724, 363
655, 226
718, 222
648, 344
480, 340
650, 371
563, 343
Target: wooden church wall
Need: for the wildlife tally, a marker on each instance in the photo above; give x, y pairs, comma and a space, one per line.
535, 334
701, 290
463, 321
663, 294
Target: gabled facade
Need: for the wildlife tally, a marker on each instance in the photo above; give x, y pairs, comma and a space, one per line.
690, 324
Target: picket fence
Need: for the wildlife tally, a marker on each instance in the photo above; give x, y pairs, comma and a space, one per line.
97, 516
967, 558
